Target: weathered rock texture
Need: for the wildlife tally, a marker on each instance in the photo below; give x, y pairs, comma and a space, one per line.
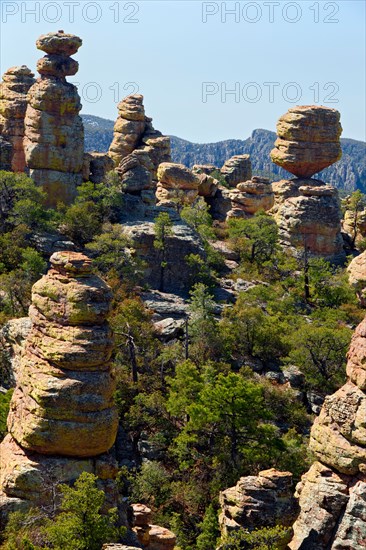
62, 406
308, 213
332, 494
54, 134
237, 169
181, 243
177, 184
96, 166
12, 337
151, 537
258, 501
6, 152
13, 105
357, 277
308, 140
251, 196
208, 184
355, 225
137, 148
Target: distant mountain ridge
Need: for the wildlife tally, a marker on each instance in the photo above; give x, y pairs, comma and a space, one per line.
347, 174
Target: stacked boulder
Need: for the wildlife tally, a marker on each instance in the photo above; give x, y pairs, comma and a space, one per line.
307, 211
13, 105
54, 134
251, 196
237, 169
137, 148
151, 537
332, 494
258, 501
62, 413
308, 140
176, 184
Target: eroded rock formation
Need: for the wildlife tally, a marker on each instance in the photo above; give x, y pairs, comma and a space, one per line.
251, 196
96, 166
151, 537
308, 140
13, 105
258, 501
137, 148
62, 413
54, 134
177, 184
308, 214
237, 169
357, 277
332, 494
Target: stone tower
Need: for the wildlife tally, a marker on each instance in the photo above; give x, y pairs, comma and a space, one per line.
54, 134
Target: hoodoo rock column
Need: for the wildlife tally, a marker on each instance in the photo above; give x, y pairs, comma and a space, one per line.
13, 106
62, 418
54, 134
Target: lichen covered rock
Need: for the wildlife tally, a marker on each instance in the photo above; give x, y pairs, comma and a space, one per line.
54, 134
13, 105
332, 494
258, 501
176, 184
63, 402
308, 214
251, 196
308, 140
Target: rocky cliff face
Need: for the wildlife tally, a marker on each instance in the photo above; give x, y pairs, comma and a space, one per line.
308, 140
332, 494
62, 413
54, 133
13, 105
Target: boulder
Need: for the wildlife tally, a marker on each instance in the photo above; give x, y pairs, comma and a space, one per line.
251, 196
258, 501
308, 140
237, 169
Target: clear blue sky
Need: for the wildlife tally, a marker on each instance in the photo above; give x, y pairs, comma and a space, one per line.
184, 56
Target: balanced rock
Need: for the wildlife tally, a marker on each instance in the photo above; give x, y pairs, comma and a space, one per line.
54, 134
258, 501
63, 402
13, 105
237, 169
308, 140
308, 214
332, 494
251, 196
176, 184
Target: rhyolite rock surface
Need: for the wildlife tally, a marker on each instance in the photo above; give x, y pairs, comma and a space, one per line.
308, 140
96, 166
62, 419
54, 133
251, 196
308, 214
151, 537
357, 277
258, 501
237, 169
176, 184
137, 147
13, 105
332, 494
